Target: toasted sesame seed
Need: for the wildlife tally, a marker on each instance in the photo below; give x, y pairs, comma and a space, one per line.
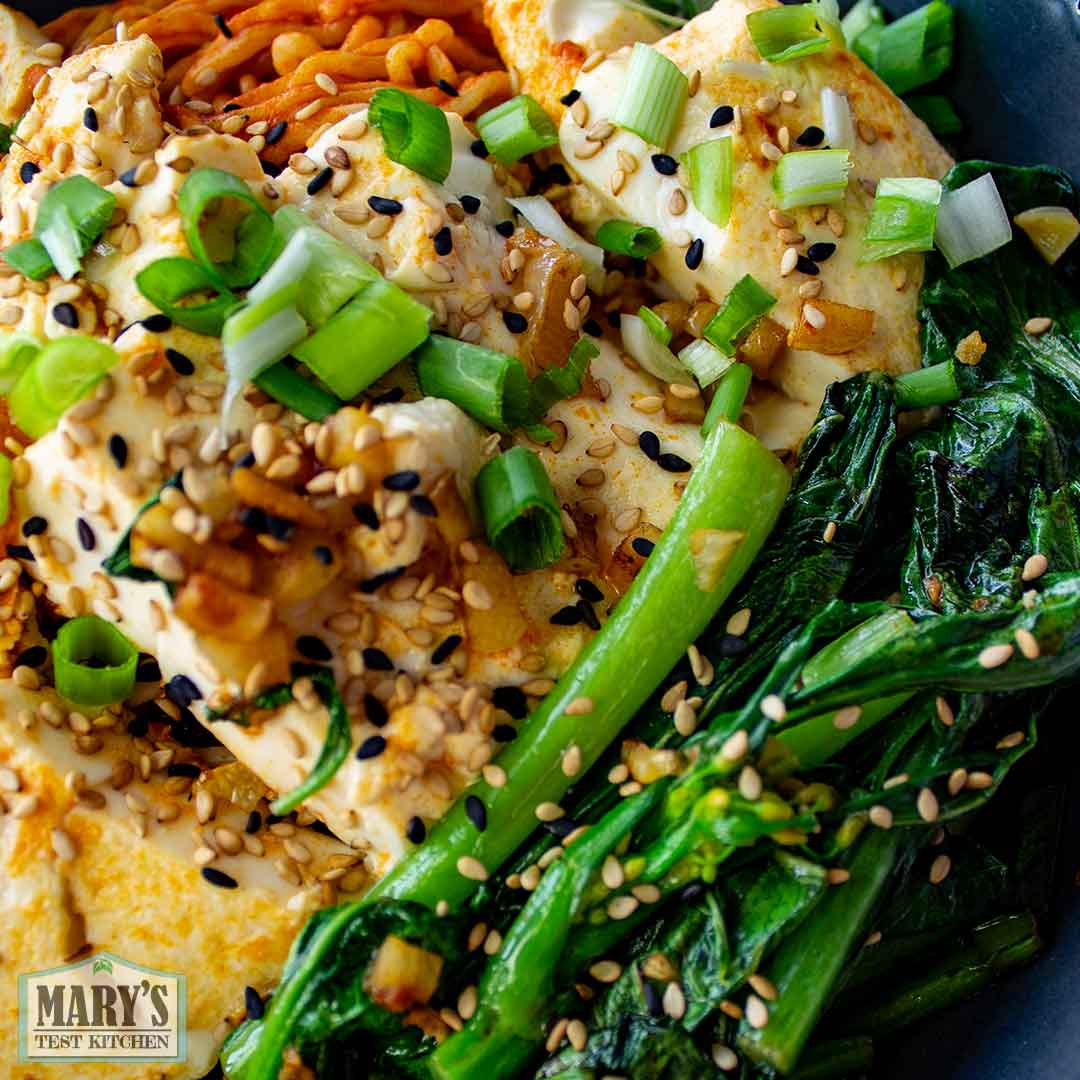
771, 151
994, 656
788, 261
549, 811
881, 816
939, 869
750, 784
837, 875
847, 717
1027, 643
735, 746
674, 1001
772, 707
472, 868
1034, 567
724, 1057
1008, 742
622, 907
1038, 325
927, 805
979, 781
957, 781
757, 1013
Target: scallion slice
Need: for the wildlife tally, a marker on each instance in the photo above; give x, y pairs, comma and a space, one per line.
863, 15
649, 352
317, 270
30, 258
519, 509
728, 399
836, 120
629, 238
415, 133
915, 49
786, 33
705, 361
556, 383
811, 177
17, 352
903, 219
972, 221
741, 309
710, 166
93, 663
61, 240
828, 19
515, 128
7, 472
547, 221
295, 392
166, 282
936, 112
490, 386
657, 327
652, 97
242, 249
366, 338
934, 385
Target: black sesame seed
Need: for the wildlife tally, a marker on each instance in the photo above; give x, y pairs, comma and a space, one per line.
446, 649
277, 132
665, 164
504, 733
253, 518
246, 462
89, 118
566, 616
371, 747
314, 648
423, 506
505, 228
569, 99
391, 397
443, 241
478, 147
34, 526
592, 328
722, 116
642, 546
694, 254
375, 711
187, 769
118, 450
561, 828
21, 551
127, 178
510, 699
516, 323
365, 514
148, 670
806, 266
731, 645
447, 88
253, 1003
320, 180
469, 203
182, 690
222, 25
376, 660
373, 584
35, 656
270, 168
27, 171
673, 463
652, 999
219, 878
649, 442
405, 480
384, 206
87, 539
66, 315
157, 324
253, 823
588, 616
230, 106
323, 554
181, 364
588, 591
820, 251
476, 812
416, 830
811, 136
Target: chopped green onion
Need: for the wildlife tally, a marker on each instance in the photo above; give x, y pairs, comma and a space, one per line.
915, 49
727, 402
652, 97
366, 338
629, 238
650, 353
710, 166
490, 386
863, 15
741, 309
972, 221
415, 133
556, 383
515, 128
836, 120
786, 33
828, 18
93, 663
61, 374
17, 351
936, 112
317, 270
905, 212
811, 177
295, 392
30, 258
657, 327
547, 221
934, 385
240, 253
165, 282
705, 361
7, 473
61, 240
520, 512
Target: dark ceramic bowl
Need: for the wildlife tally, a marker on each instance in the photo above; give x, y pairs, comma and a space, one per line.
1012, 84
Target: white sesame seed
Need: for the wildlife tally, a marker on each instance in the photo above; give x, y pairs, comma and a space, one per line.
979, 781
725, 1058
763, 987
773, 707
611, 873
994, 656
847, 717
927, 805
578, 1034
571, 760
939, 869
674, 1001
685, 719
881, 816
1027, 643
757, 1013
580, 706
788, 261
1035, 566
735, 746
1038, 325
466, 1003
1007, 742
549, 811
622, 907
471, 868
62, 844
750, 785
815, 317
605, 971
